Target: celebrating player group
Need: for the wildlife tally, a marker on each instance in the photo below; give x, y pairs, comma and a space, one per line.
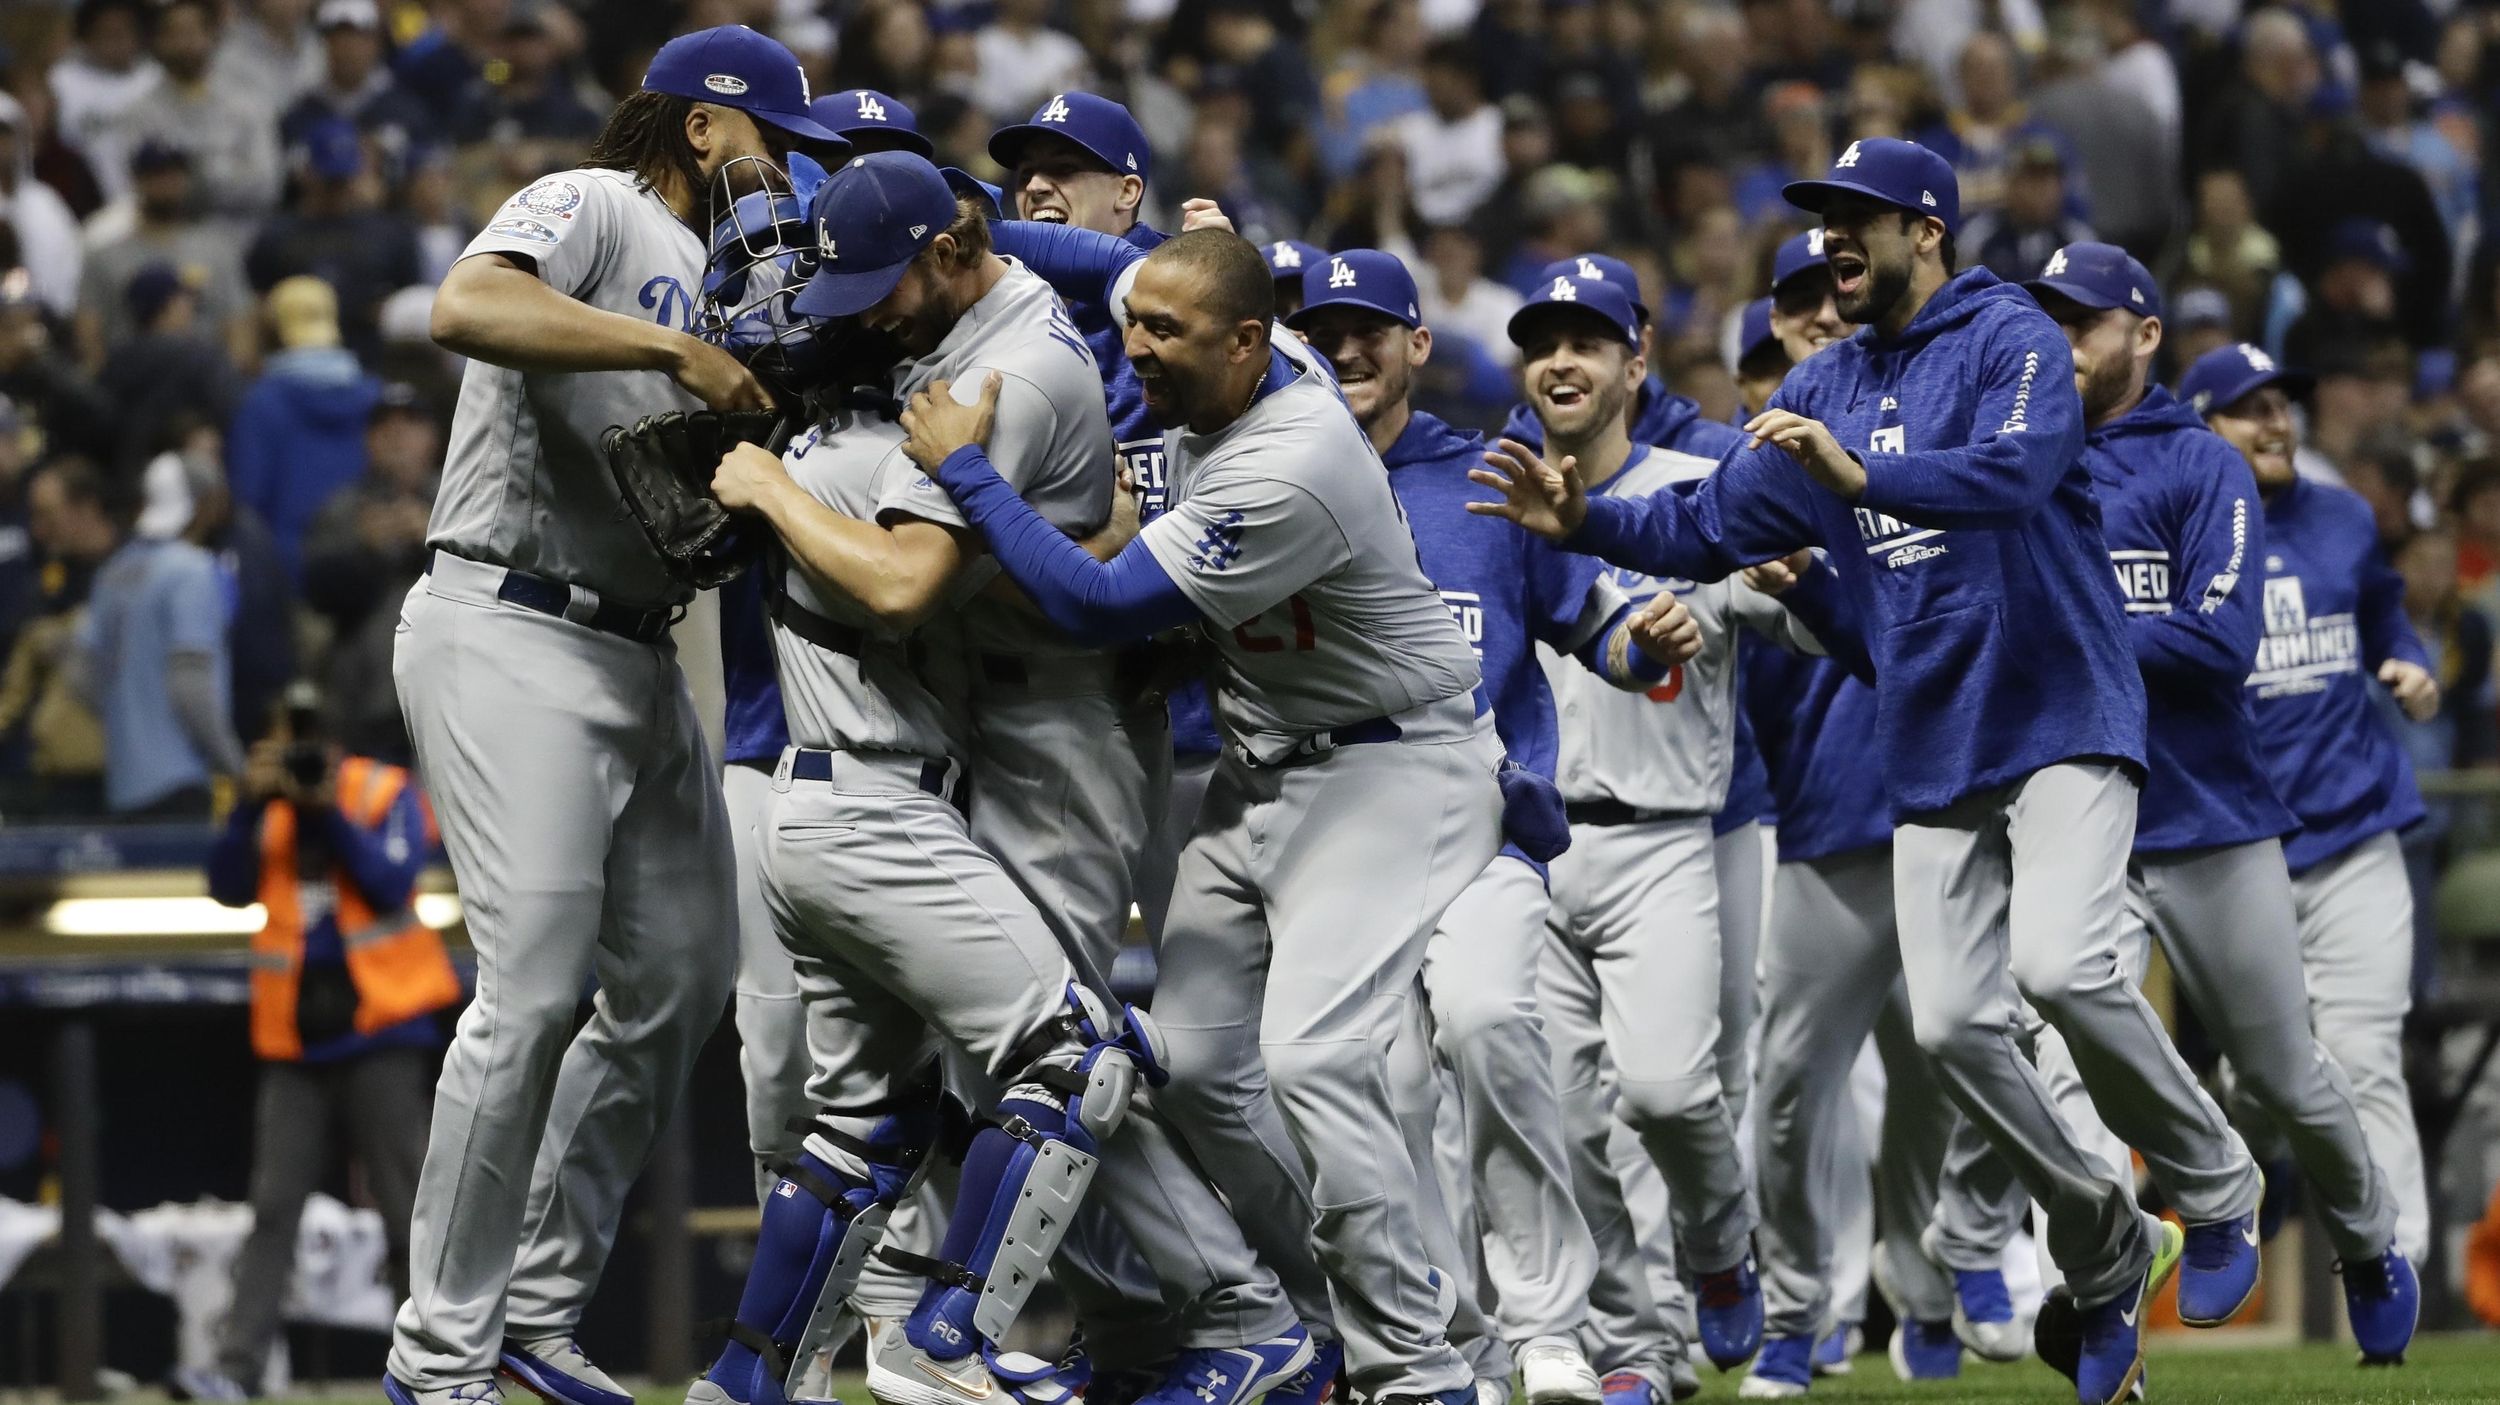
1059, 577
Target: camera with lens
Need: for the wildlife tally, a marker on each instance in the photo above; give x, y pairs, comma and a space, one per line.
307, 754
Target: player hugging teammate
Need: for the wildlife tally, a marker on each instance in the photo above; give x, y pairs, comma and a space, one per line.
1423, 1100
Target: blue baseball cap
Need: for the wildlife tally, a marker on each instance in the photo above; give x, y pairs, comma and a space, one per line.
1602, 268
2223, 375
871, 217
1897, 172
1290, 258
1597, 297
1365, 278
2370, 241
1753, 331
990, 198
1799, 253
334, 149
2099, 276
1096, 123
862, 115
730, 65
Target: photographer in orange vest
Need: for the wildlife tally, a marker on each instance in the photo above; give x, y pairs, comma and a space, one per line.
346, 988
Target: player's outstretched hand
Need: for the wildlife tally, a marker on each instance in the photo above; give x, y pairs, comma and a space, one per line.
747, 475
2417, 692
1812, 446
1546, 498
937, 424
717, 378
1780, 574
1665, 630
1198, 212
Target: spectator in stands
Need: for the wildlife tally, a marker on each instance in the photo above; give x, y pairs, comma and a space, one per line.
42, 381
443, 65
1565, 214
150, 655
337, 232
527, 96
2255, 126
20, 563
1460, 303
356, 85
1981, 132
347, 986
2126, 154
1801, 149
2231, 253
47, 233
186, 497
1590, 130
269, 53
38, 692
97, 82
49, 159
1502, 221
2395, 132
2364, 387
2474, 502
1454, 146
2137, 64
2478, 400
884, 45
299, 435
1021, 60
1377, 83
2200, 320
166, 230
2459, 639
169, 372
2340, 179
2016, 241
363, 553
2354, 292
1717, 119
1795, 43
232, 138
1216, 165
1508, 37
1248, 54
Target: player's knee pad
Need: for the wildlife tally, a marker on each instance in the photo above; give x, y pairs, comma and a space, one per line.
1025, 1176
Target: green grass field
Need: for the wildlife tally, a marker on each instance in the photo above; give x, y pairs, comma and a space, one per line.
2441, 1370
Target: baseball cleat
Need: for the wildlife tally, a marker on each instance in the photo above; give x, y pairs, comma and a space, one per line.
2219, 1274
1783, 1370
1925, 1351
1029, 1380
1492, 1392
555, 1370
2110, 1364
1552, 1371
1727, 1308
1983, 1315
1836, 1351
1232, 1375
706, 1391
2384, 1301
900, 1373
465, 1393
1316, 1383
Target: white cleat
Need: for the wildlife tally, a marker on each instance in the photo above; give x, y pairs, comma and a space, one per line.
1754, 1387
1993, 1341
1492, 1392
1552, 1371
900, 1373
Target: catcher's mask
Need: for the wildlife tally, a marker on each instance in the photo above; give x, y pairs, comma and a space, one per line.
761, 254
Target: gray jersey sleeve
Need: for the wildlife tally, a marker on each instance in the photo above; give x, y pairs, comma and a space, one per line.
1766, 616
564, 225
1021, 440
1243, 541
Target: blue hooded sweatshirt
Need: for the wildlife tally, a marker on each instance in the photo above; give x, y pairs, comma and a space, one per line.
2334, 612
1974, 554
298, 437
1661, 419
1814, 722
2179, 511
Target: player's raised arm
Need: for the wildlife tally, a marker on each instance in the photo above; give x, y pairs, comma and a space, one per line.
2027, 400
1083, 264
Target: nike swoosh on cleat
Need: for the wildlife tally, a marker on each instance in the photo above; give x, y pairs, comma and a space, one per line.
979, 1389
2128, 1315
2250, 1234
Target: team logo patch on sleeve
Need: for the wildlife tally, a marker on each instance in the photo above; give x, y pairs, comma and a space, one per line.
554, 197
517, 228
1220, 546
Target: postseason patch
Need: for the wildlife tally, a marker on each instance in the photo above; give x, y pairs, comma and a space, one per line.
554, 197
518, 228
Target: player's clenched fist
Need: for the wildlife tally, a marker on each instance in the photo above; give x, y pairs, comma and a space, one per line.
1665, 630
1812, 446
747, 475
937, 424
1546, 498
2415, 690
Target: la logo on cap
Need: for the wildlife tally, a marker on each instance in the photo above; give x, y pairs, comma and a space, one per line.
1058, 112
1564, 291
1847, 159
1340, 274
1590, 270
2057, 265
1286, 255
726, 84
870, 109
824, 241
2257, 359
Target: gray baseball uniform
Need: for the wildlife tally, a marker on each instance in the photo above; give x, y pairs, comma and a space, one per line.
578, 801
902, 928
1355, 801
2224, 919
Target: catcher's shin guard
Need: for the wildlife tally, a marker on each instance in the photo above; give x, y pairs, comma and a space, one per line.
822, 1218
1027, 1172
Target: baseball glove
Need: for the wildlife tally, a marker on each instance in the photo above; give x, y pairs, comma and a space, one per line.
663, 468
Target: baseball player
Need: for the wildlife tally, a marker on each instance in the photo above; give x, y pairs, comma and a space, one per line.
1634, 923
1831, 965
2010, 713
901, 925
868, 120
1508, 591
1356, 796
2331, 609
2207, 881
1289, 260
577, 799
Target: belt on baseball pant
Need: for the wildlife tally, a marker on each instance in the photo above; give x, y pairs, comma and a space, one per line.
1049, 673
1430, 722
831, 635
577, 603
1602, 812
928, 774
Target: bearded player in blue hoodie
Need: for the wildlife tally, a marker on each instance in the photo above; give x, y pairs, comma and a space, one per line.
2180, 514
2009, 707
2334, 622
1508, 591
